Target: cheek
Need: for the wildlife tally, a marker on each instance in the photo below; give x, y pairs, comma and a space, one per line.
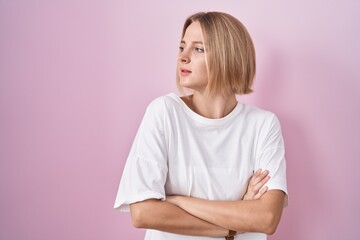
204, 70
201, 65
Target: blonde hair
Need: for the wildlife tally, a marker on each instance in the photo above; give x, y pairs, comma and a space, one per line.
230, 53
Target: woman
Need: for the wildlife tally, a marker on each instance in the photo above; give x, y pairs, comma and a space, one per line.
187, 174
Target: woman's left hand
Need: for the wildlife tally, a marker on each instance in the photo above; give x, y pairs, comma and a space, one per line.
256, 185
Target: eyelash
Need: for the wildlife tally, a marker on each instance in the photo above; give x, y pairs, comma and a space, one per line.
200, 50
197, 49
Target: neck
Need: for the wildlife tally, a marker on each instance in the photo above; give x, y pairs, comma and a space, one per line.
211, 107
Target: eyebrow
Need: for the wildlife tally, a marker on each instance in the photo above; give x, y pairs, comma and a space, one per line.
199, 42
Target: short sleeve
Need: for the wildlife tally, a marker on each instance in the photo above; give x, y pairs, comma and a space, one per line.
145, 171
271, 156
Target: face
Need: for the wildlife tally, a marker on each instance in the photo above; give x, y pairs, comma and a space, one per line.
191, 66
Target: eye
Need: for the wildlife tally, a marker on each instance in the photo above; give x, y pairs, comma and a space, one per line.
200, 50
181, 49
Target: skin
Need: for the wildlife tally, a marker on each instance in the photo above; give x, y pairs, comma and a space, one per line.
167, 216
262, 215
192, 57
259, 211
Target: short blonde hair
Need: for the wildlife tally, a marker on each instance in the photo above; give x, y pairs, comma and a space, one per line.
230, 53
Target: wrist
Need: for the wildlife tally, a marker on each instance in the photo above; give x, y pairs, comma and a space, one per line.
247, 197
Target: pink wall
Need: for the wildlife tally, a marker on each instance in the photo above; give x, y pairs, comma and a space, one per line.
76, 76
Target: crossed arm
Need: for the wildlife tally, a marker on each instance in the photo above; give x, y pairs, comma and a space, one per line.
259, 211
262, 215
167, 217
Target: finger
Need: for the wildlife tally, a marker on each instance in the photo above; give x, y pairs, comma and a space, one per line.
265, 173
259, 185
256, 182
264, 190
255, 176
257, 179
257, 173
261, 192
261, 175
262, 182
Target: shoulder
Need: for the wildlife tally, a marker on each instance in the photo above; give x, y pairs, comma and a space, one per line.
163, 103
257, 114
263, 119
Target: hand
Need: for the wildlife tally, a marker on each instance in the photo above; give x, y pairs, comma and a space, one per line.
256, 183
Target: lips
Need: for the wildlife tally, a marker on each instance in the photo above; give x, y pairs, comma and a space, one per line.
184, 72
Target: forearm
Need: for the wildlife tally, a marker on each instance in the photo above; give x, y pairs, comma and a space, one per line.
262, 215
167, 217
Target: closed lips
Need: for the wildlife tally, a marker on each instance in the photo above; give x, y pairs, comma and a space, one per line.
183, 70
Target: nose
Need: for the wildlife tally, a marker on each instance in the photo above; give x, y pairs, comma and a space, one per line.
184, 58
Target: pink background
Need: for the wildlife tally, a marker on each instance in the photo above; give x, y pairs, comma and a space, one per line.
76, 76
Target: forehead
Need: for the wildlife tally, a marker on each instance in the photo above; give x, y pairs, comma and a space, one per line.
193, 33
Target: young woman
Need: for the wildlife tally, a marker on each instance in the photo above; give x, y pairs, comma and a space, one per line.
190, 171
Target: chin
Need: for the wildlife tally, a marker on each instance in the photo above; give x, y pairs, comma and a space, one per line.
185, 84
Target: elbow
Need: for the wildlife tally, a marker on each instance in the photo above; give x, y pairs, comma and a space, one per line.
142, 214
264, 223
270, 230
270, 224
138, 220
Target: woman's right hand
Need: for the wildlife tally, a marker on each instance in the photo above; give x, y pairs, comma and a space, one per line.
256, 185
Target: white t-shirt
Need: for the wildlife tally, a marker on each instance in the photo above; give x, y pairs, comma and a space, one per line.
179, 152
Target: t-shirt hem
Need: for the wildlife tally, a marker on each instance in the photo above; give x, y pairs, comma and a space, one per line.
123, 206
282, 188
